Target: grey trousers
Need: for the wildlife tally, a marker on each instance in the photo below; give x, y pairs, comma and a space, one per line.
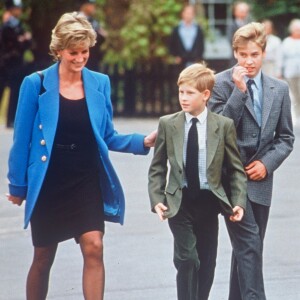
247, 236
195, 232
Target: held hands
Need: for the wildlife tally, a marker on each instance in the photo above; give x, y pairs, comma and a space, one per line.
238, 213
149, 140
160, 210
256, 171
238, 78
15, 200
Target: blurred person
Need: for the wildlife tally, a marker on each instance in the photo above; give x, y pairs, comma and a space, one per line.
15, 41
291, 63
272, 62
3, 82
6, 15
187, 40
88, 8
260, 107
241, 17
59, 161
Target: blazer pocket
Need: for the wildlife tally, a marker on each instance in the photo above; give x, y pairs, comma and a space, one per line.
171, 189
221, 193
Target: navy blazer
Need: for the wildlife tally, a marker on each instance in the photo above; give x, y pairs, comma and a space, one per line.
176, 46
35, 128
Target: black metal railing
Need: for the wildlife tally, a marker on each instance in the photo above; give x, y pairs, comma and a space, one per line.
148, 89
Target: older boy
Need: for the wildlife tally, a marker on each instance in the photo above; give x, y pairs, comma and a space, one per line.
197, 144
260, 107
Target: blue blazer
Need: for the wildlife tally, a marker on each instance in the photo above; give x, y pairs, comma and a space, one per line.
35, 128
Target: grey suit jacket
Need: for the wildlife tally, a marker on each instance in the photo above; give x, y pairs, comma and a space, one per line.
166, 187
273, 142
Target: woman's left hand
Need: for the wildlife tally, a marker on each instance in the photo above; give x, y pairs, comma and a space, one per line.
149, 140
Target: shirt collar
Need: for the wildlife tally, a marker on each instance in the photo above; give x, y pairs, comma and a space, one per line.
257, 79
201, 117
184, 25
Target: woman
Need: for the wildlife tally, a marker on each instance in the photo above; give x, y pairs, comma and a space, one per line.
291, 64
59, 159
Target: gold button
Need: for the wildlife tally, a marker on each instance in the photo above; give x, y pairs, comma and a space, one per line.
43, 142
41, 126
44, 158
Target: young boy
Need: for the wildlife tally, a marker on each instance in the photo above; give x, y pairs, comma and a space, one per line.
260, 107
197, 144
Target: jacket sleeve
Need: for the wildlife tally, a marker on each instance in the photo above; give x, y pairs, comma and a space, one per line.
236, 176
19, 154
158, 169
128, 143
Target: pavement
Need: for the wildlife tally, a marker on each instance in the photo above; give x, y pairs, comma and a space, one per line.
138, 255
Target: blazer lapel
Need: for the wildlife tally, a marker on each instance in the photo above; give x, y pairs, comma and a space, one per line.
49, 105
249, 104
268, 98
212, 138
94, 98
250, 107
178, 138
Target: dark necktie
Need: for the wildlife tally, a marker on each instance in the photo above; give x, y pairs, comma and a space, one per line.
249, 83
191, 164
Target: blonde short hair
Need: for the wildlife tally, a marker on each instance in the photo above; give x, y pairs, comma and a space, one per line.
71, 30
198, 76
254, 32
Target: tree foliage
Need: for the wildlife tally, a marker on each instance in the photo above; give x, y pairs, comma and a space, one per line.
271, 8
143, 36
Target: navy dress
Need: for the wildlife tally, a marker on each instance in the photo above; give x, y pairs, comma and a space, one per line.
70, 202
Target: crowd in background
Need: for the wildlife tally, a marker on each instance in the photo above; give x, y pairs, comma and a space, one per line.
15, 41
186, 44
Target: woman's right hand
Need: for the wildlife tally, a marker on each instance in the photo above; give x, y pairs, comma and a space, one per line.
14, 199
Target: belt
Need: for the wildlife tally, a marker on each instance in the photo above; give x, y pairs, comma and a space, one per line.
71, 147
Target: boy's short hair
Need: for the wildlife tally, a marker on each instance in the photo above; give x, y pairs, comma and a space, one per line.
198, 76
254, 32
